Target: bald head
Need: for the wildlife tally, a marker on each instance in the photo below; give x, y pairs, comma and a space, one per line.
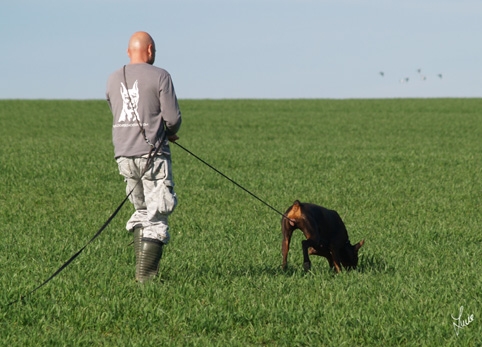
141, 48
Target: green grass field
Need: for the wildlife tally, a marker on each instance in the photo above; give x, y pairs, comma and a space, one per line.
405, 175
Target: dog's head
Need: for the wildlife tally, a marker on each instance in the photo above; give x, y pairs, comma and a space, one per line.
349, 256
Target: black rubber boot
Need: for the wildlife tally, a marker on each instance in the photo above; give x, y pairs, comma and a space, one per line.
148, 255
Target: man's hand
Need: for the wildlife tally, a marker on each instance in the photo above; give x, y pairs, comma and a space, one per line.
173, 138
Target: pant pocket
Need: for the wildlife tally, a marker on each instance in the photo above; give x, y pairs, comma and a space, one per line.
124, 167
167, 199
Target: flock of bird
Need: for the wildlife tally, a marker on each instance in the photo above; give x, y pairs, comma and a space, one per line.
407, 79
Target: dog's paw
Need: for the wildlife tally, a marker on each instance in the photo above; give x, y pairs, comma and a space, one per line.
307, 266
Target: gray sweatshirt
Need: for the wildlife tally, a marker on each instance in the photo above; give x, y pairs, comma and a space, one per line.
152, 99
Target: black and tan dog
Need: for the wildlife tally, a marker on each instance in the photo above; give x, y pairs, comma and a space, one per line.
325, 233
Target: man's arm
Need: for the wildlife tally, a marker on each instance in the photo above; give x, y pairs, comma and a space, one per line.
170, 112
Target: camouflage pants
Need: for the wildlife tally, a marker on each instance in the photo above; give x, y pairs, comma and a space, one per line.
153, 194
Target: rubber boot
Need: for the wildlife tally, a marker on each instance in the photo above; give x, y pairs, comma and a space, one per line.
148, 255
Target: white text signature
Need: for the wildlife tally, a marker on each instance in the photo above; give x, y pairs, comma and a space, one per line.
460, 323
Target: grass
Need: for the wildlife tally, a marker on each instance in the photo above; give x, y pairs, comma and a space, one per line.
405, 175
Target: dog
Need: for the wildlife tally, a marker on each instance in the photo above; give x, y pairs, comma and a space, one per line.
325, 233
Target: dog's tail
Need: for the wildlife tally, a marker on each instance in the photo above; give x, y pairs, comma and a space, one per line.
292, 214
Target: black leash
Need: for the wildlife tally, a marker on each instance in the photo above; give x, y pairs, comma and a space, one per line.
141, 128
97, 234
230, 180
76, 254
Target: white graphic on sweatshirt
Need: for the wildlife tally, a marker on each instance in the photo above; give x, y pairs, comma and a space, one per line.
129, 107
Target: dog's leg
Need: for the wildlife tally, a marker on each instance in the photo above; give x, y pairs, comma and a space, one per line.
285, 247
306, 245
322, 252
336, 260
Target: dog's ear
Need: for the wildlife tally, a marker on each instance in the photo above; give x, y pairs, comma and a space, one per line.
359, 245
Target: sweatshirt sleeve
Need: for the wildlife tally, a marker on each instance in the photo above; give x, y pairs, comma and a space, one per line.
170, 112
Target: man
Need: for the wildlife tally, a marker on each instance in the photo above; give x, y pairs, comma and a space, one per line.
146, 117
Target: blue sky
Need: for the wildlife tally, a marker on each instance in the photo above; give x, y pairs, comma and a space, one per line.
217, 49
